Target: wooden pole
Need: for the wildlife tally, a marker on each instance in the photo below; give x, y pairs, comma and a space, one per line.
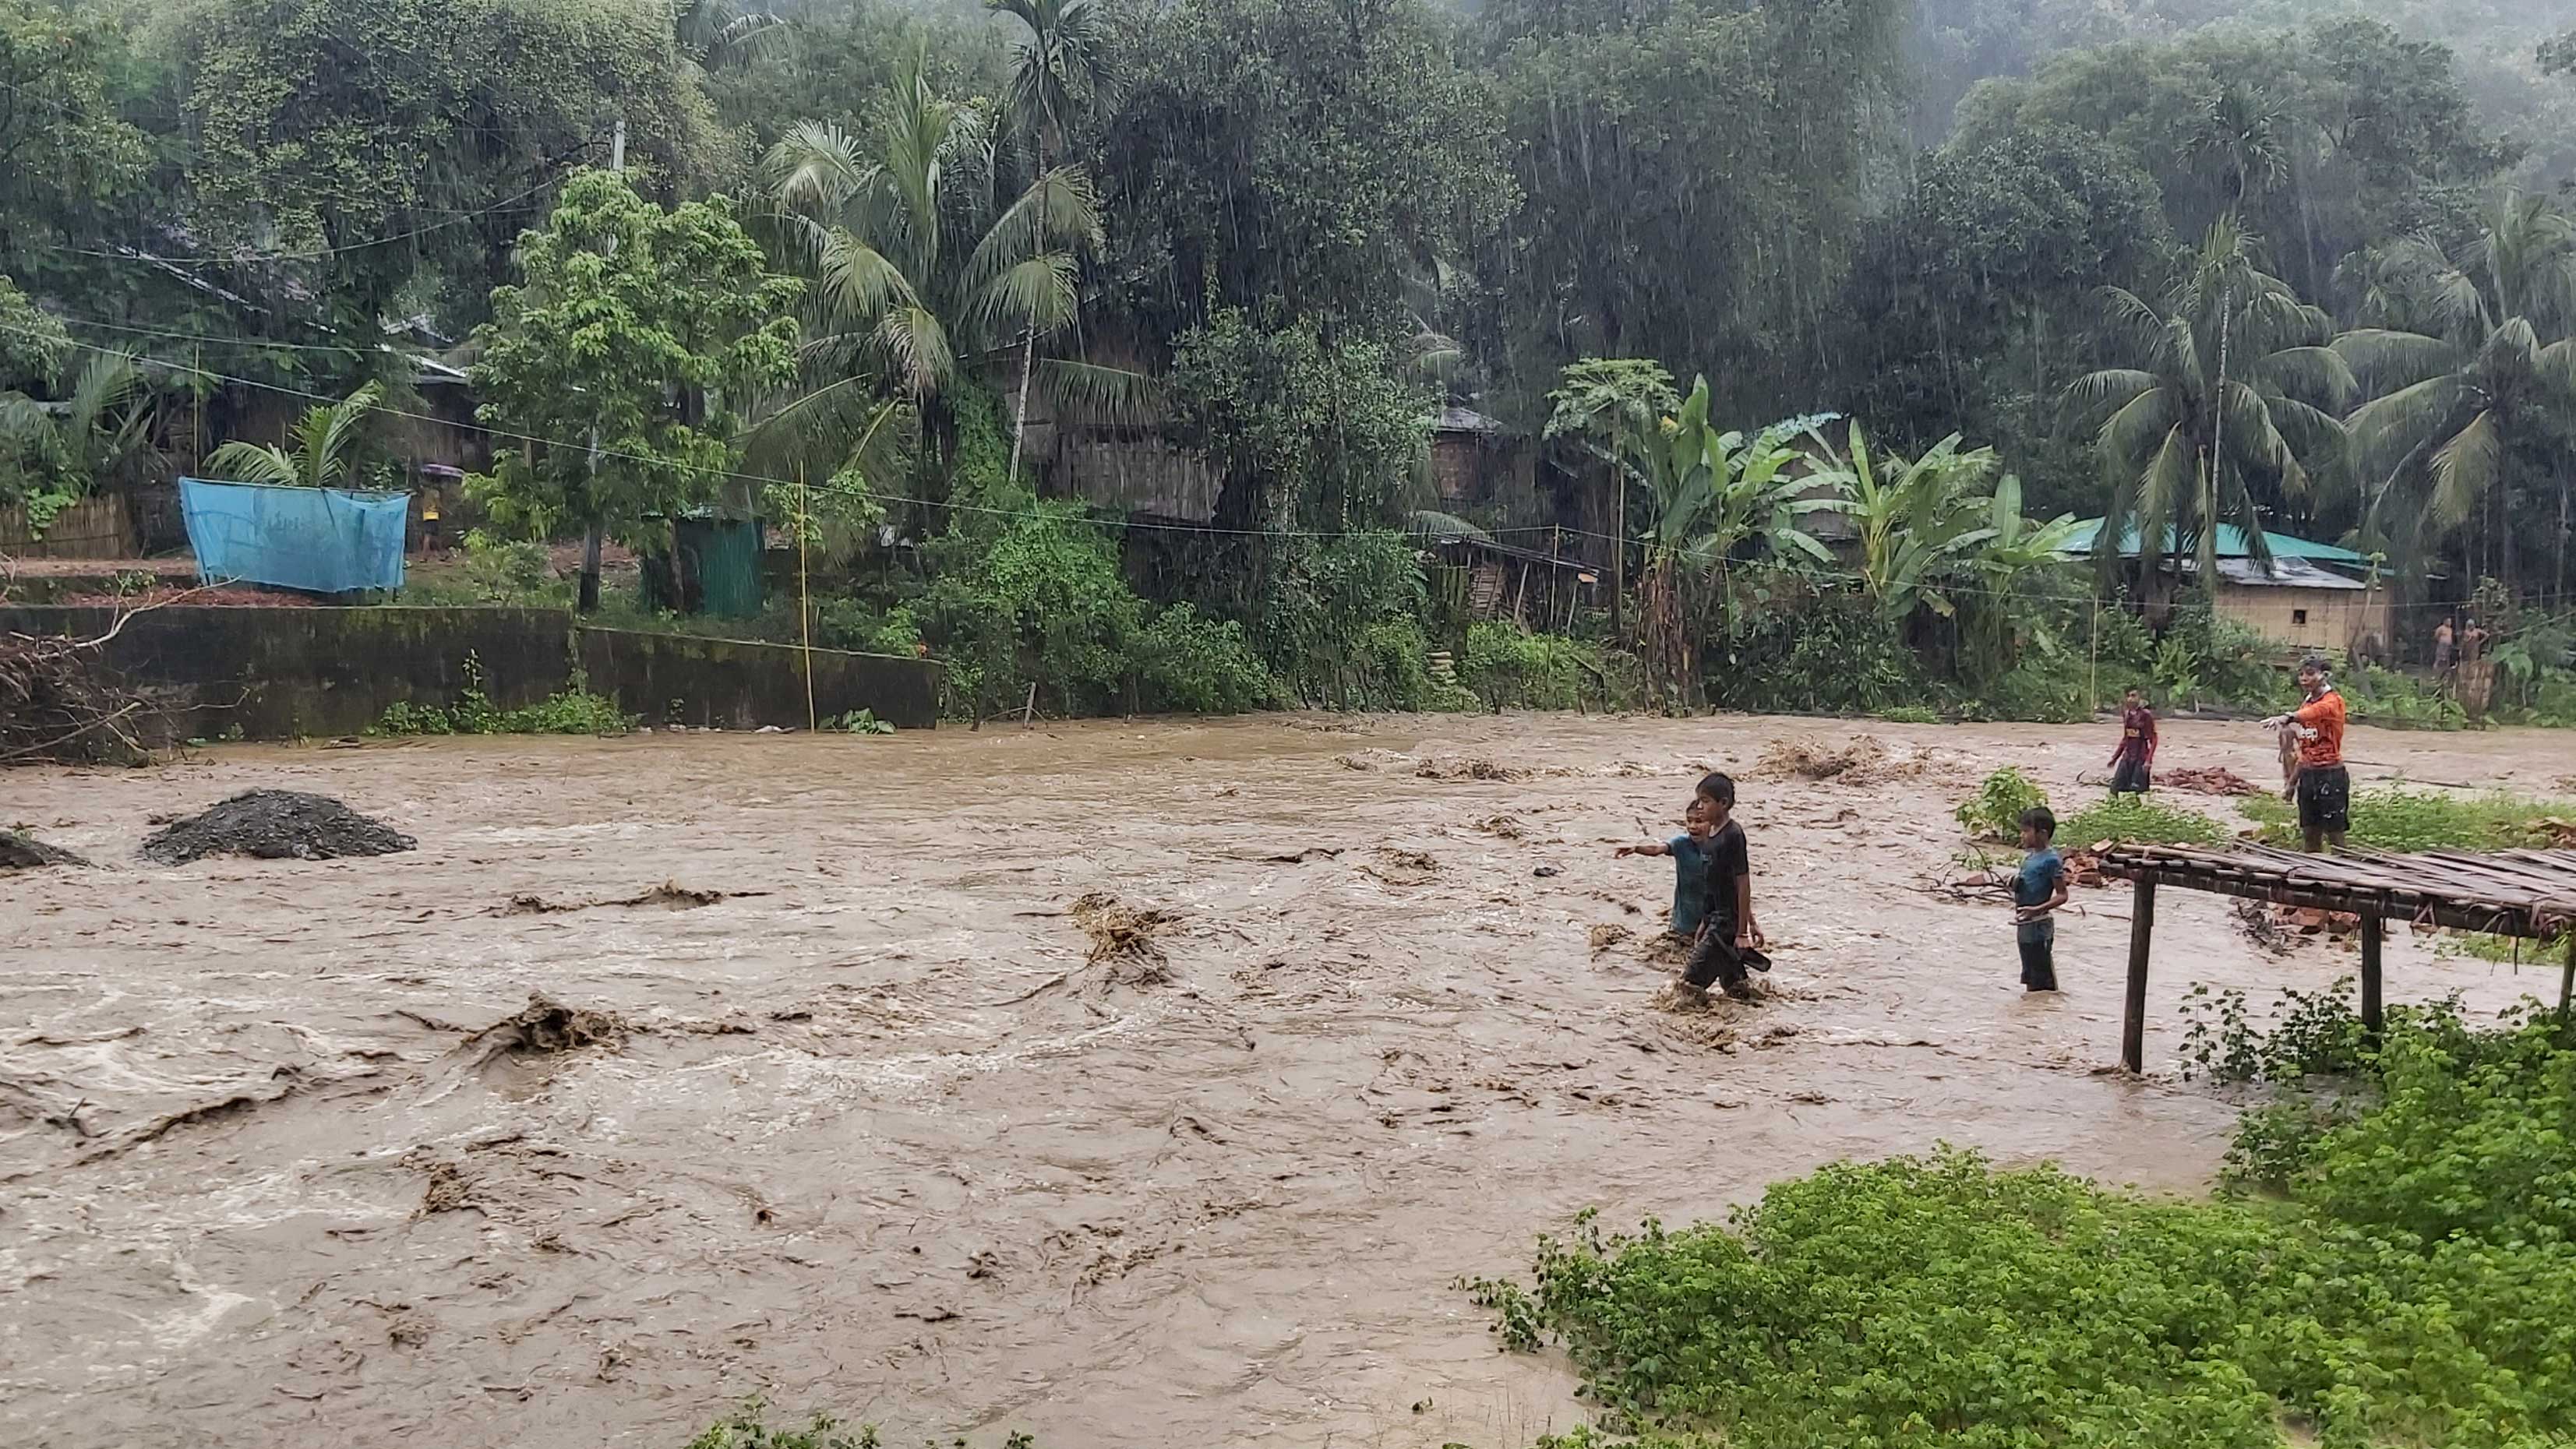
2142, 932
2373, 1015
805, 596
2567, 979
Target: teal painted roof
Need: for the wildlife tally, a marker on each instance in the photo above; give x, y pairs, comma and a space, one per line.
2231, 544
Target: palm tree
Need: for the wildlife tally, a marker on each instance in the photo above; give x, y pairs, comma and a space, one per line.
2242, 132
96, 435
2473, 383
2227, 401
327, 440
715, 33
917, 269
1065, 65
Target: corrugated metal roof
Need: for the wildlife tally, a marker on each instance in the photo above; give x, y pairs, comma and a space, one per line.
2231, 544
2287, 573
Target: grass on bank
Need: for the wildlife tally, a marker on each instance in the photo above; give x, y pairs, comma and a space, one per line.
2395, 1265
2396, 818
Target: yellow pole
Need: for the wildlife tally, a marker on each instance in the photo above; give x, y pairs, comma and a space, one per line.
805, 597
2093, 679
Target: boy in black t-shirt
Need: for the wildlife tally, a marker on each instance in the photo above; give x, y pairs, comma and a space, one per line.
1729, 938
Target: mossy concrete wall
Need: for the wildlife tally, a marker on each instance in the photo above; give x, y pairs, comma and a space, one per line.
682, 679
289, 672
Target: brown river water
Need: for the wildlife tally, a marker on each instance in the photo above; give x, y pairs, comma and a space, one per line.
872, 1133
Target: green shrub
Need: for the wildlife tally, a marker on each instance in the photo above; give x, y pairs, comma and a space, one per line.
1509, 667
1910, 714
750, 1429
574, 711
2416, 1286
2136, 820
1200, 665
1994, 812
2395, 818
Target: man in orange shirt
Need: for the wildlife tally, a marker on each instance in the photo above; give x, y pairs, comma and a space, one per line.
2325, 787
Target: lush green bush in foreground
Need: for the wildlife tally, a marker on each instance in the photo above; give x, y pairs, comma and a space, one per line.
2413, 1283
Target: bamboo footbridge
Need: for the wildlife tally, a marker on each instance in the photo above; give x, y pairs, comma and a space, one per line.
2530, 894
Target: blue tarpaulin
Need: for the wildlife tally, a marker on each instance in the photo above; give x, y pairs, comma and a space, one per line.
325, 540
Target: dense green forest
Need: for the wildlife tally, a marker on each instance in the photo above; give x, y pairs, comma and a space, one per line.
2307, 263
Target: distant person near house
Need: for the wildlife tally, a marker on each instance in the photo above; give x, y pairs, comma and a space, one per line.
2446, 653
2324, 789
2137, 748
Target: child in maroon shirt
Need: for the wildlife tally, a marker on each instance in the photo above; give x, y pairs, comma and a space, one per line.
2137, 748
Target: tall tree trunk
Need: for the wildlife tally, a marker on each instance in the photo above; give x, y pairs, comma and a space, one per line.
1020, 414
589, 603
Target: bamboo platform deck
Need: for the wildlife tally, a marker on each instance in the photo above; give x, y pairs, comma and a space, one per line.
2525, 893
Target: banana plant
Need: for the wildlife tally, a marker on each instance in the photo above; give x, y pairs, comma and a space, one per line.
1714, 493
1919, 521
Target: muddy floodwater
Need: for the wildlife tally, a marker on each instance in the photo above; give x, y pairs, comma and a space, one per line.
828, 1102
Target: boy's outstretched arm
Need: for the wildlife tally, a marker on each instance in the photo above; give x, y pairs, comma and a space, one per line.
1650, 848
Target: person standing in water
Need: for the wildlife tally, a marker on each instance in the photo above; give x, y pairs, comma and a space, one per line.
1730, 941
1689, 851
2137, 749
2324, 789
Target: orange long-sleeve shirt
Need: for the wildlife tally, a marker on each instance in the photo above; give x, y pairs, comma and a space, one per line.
2323, 714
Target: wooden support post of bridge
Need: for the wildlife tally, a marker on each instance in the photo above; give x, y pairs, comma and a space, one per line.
2373, 1015
2567, 978
2142, 933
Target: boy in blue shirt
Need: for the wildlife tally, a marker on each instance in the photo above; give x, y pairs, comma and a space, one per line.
1689, 851
2039, 888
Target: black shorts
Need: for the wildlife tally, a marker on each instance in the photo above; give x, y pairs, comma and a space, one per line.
2325, 799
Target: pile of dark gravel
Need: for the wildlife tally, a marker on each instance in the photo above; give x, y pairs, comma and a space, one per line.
276, 825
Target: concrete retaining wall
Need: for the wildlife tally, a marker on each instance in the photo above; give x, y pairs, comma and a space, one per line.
289, 672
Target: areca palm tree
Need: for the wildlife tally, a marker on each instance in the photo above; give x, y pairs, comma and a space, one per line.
2472, 383
326, 442
2227, 401
920, 270
1065, 65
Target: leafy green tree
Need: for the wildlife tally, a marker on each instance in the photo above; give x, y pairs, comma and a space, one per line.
2223, 401
1918, 519
1294, 157
328, 441
2324, 141
384, 141
33, 345
637, 328
62, 143
1971, 303
1317, 444
2474, 387
1691, 183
